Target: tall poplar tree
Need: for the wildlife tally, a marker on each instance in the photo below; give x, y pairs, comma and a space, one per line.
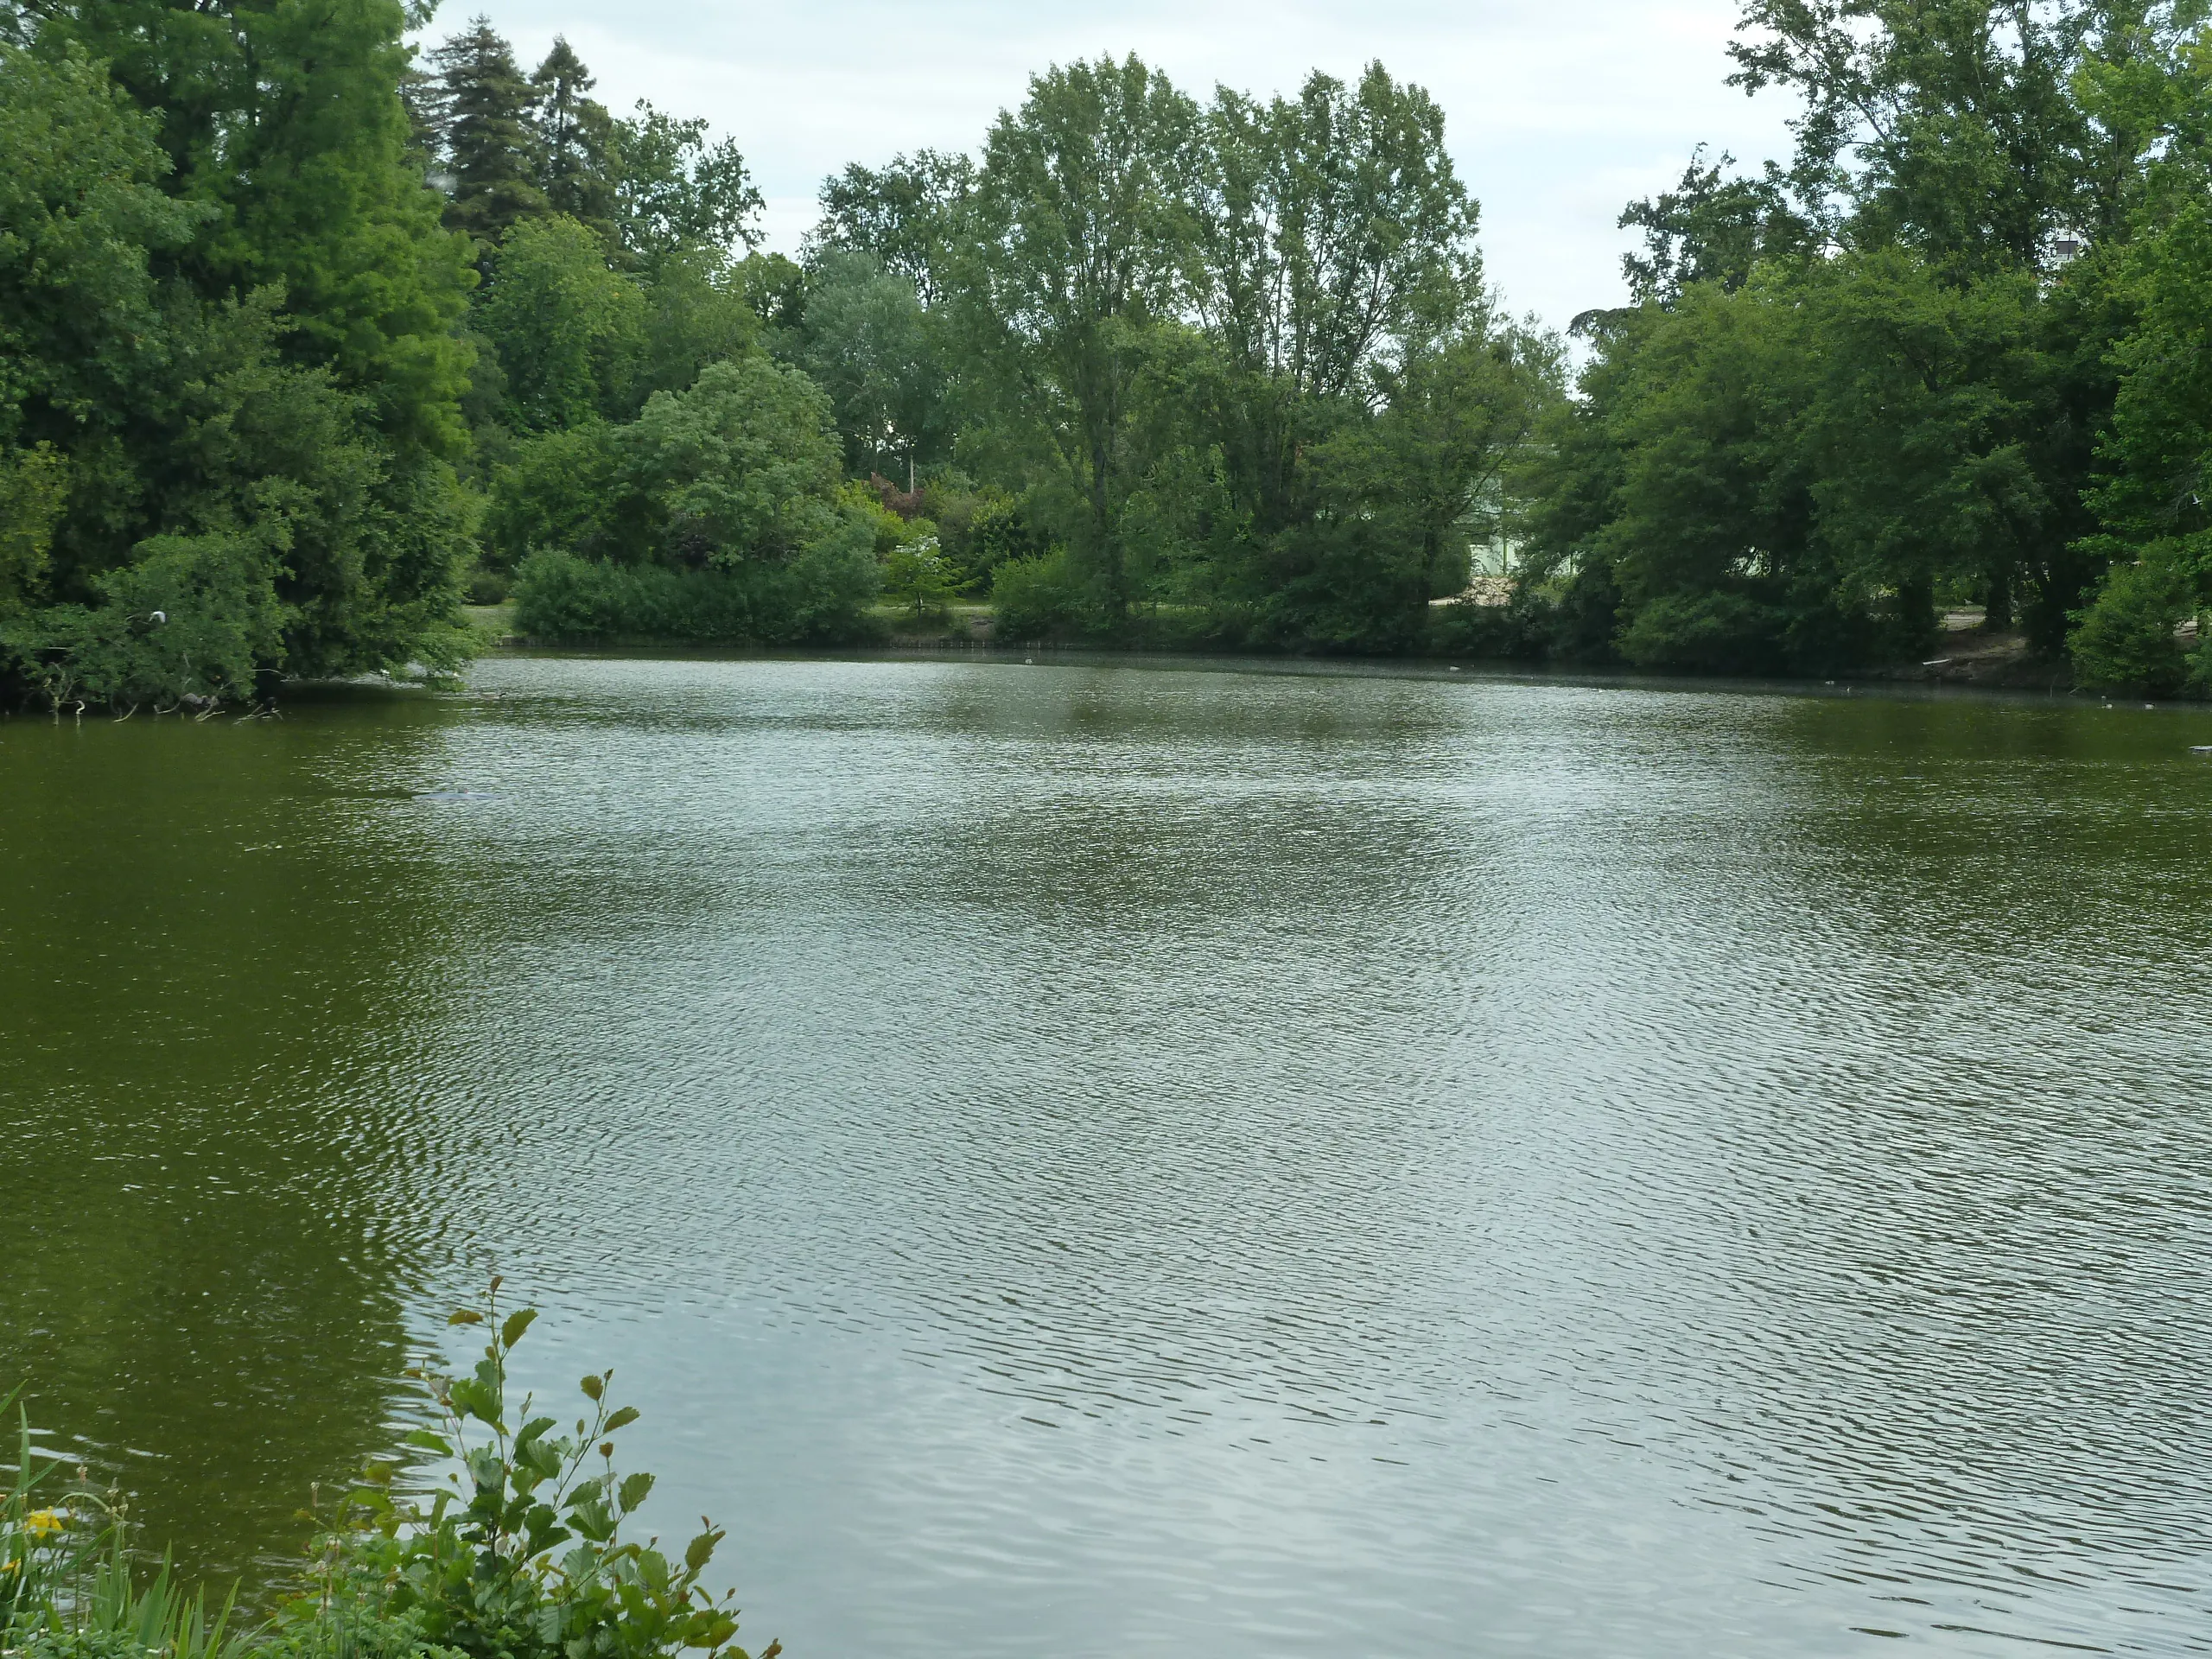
1333, 233
905, 213
1082, 243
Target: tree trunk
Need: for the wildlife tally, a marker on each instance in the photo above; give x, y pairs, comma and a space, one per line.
1997, 600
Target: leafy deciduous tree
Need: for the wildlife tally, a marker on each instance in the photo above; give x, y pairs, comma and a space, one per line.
1081, 233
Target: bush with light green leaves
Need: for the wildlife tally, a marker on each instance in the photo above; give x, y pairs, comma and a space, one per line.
522, 1554
524, 1557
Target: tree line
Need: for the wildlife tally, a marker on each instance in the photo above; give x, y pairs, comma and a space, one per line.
1952, 353
309, 337
1145, 368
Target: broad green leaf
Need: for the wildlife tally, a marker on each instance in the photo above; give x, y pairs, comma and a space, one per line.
589, 1516
468, 1400
634, 1488
518, 1322
622, 1418
484, 1468
702, 1548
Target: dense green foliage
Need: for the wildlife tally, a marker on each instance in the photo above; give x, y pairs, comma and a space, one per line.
281, 315
306, 337
1237, 362
1952, 354
519, 1555
1149, 370
230, 403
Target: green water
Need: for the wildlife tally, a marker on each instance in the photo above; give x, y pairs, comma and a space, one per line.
1087, 1159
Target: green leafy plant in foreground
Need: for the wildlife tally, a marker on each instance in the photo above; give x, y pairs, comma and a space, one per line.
520, 1555
524, 1558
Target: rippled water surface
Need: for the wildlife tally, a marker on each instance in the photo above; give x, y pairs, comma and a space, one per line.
1085, 1161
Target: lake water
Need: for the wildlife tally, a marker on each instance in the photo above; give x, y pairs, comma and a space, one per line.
1079, 1160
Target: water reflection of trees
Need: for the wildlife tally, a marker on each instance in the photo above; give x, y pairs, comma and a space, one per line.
205, 938
1932, 1115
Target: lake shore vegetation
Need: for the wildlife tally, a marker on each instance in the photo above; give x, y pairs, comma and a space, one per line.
518, 1554
316, 330
1935, 361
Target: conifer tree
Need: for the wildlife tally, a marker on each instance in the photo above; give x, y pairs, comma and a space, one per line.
489, 137
575, 138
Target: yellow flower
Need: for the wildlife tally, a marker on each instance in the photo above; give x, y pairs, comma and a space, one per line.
41, 1525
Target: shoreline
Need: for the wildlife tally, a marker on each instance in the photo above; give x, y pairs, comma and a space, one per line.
1975, 666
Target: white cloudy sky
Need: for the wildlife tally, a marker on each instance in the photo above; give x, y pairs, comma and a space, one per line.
1556, 112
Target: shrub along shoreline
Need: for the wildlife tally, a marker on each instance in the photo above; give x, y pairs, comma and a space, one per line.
519, 1553
616, 608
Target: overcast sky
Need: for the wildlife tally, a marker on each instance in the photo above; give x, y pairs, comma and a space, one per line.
1556, 113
